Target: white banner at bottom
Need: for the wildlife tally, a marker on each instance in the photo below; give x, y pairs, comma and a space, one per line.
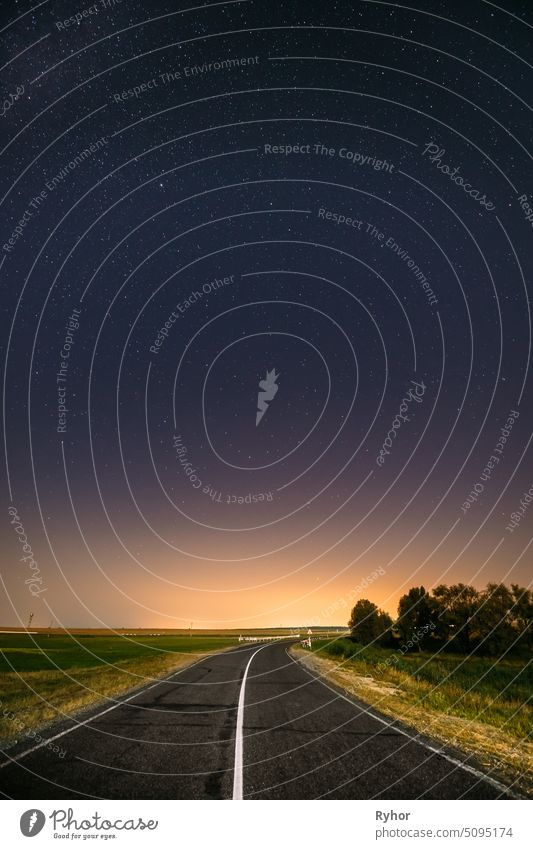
208, 824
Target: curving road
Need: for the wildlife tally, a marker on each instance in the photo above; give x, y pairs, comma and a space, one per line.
249, 723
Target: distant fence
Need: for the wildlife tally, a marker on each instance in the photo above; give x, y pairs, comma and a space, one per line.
317, 634
263, 639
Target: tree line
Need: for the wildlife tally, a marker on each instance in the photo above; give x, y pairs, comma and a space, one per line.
458, 618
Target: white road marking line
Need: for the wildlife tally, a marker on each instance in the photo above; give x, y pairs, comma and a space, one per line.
496, 784
97, 715
237, 769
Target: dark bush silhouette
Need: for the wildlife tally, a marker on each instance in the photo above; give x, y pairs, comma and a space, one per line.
454, 611
415, 618
368, 624
523, 614
494, 621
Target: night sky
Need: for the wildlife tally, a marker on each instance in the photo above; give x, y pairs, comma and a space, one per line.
335, 198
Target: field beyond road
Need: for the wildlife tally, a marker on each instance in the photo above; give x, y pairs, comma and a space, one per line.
481, 706
47, 676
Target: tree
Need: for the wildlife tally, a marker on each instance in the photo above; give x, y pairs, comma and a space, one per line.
368, 624
523, 613
494, 620
414, 617
454, 611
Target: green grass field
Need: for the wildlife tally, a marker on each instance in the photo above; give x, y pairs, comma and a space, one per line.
469, 688
47, 677
478, 704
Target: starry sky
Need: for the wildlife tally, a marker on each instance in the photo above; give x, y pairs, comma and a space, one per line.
336, 193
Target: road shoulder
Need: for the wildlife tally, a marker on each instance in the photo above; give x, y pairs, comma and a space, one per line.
480, 746
91, 706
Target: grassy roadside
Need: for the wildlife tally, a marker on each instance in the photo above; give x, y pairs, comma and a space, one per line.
463, 703
45, 678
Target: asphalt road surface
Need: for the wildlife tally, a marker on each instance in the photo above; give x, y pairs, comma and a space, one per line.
249, 723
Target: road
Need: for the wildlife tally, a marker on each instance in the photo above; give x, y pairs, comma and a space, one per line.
206, 733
